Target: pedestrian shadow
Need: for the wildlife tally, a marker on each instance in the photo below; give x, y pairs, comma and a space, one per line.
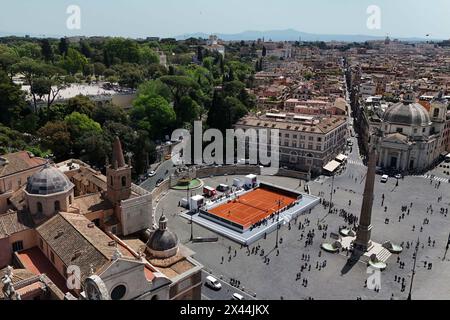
351, 262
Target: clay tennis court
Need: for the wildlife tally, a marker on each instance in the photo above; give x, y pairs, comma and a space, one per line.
252, 207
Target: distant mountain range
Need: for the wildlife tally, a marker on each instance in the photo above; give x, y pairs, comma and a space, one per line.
274, 35
292, 35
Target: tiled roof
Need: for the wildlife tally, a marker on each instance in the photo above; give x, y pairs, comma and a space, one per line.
17, 162
76, 241
14, 222
92, 203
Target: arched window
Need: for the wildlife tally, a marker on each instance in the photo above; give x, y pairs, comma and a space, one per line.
436, 113
57, 206
39, 207
124, 181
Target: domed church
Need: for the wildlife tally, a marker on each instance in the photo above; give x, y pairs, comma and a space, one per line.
411, 135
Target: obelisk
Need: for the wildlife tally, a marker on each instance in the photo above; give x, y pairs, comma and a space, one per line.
363, 242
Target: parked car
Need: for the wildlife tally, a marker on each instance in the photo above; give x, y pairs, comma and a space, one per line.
237, 296
151, 173
223, 187
213, 283
384, 178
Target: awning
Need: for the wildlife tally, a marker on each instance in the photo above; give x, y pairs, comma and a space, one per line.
332, 166
341, 158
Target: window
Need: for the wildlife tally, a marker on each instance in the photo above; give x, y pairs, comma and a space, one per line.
436, 113
118, 292
70, 199
124, 181
17, 246
57, 206
319, 139
41, 243
400, 130
39, 207
52, 256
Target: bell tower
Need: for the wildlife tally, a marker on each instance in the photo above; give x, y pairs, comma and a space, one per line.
119, 175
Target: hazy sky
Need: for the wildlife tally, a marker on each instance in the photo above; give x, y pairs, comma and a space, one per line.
142, 18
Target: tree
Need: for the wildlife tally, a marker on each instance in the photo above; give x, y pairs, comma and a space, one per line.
154, 114
33, 70
79, 124
99, 69
55, 136
148, 56
129, 75
119, 50
264, 51
93, 147
63, 46
144, 151
73, 61
155, 88
200, 53
189, 110
85, 49
47, 50
81, 104
179, 86
12, 101
109, 113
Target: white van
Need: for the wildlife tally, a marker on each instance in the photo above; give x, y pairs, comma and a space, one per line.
237, 296
384, 178
213, 283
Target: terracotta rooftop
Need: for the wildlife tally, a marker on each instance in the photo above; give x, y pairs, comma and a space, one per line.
91, 203
12, 163
37, 263
14, 222
76, 241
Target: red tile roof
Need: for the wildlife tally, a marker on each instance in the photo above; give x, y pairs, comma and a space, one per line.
19, 161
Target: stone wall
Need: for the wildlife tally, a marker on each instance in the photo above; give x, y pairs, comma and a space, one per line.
227, 170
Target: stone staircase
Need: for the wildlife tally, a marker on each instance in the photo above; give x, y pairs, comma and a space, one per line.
384, 255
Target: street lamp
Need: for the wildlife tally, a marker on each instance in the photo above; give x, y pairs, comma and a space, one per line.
192, 216
447, 247
279, 202
331, 195
414, 269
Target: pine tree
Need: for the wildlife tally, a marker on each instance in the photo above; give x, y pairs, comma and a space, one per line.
63, 46
47, 51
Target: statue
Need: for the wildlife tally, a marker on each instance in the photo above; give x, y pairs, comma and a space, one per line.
8, 288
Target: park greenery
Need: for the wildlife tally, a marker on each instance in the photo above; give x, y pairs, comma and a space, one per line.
196, 84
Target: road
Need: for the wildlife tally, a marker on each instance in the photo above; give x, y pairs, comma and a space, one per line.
164, 171
223, 294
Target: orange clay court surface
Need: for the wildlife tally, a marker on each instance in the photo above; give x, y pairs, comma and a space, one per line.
252, 207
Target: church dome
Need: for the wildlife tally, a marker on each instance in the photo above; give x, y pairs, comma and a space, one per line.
407, 113
162, 239
49, 180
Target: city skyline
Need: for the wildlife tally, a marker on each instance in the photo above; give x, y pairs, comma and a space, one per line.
418, 19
